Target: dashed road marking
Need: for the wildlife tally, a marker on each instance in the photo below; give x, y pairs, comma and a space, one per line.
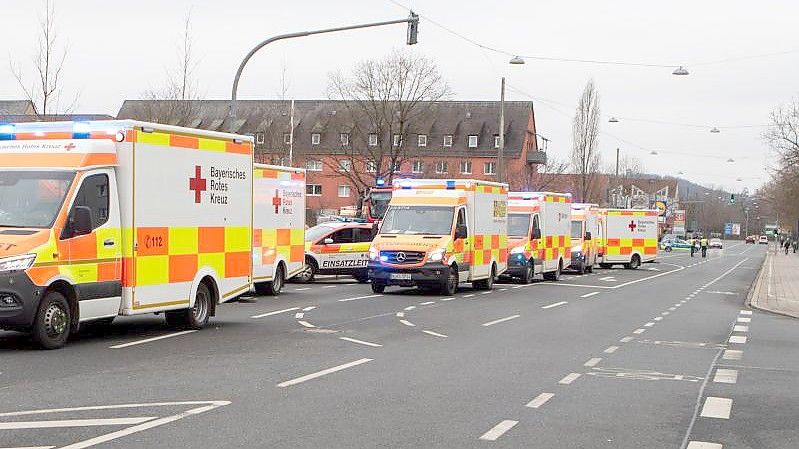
732, 354
276, 312
665, 313
639, 331
555, 304
447, 299
627, 339
503, 289
426, 303
306, 324
469, 295
308, 309
501, 320
569, 378
540, 400
726, 376
658, 318
672, 309
361, 342
302, 289
148, 340
324, 372
486, 293
738, 339
435, 334
703, 445
409, 308
739, 328
649, 324
400, 314
359, 297
588, 295
593, 362
407, 323
744, 320
330, 286
745, 312
611, 349
717, 408
498, 430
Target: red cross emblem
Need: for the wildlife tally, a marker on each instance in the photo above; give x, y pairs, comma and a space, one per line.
632, 226
197, 184
276, 201
69, 146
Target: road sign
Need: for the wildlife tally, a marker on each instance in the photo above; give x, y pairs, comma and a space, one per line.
728, 228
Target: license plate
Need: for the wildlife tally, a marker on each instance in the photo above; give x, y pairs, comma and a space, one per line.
401, 276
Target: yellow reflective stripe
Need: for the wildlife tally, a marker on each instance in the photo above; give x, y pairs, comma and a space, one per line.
213, 260
152, 270
237, 239
152, 138
211, 144
80, 273
183, 241
298, 237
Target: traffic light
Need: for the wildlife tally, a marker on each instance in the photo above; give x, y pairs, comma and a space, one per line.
732, 198
413, 28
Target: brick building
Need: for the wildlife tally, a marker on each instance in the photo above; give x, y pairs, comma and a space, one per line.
455, 139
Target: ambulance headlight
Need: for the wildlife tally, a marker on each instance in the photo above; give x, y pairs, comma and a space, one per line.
517, 250
374, 254
16, 263
436, 255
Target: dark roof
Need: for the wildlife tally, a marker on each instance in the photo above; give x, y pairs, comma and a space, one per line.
330, 118
17, 118
16, 107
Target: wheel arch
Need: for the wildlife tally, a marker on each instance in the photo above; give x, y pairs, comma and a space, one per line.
67, 289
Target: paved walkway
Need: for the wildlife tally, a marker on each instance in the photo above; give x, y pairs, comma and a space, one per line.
777, 287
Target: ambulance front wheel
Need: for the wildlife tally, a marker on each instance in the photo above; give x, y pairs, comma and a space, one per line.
450, 286
52, 325
378, 287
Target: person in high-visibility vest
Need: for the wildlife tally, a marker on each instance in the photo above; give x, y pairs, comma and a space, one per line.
703, 245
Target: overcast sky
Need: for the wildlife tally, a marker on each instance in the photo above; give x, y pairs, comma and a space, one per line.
119, 49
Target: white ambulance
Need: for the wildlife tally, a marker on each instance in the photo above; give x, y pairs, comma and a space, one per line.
438, 233
585, 235
107, 218
538, 234
630, 237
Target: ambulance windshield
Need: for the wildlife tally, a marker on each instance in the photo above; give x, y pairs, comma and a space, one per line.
577, 229
518, 225
426, 220
378, 203
32, 199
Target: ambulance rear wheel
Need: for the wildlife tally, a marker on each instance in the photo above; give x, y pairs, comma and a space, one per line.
196, 317
361, 277
308, 273
276, 285
487, 283
378, 288
554, 275
590, 268
605, 265
635, 262
52, 325
450, 286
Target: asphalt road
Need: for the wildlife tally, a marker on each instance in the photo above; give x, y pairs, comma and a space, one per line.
649, 358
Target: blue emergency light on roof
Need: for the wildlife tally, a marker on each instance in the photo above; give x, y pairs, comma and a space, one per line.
380, 182
450, 184
81, 130
7, 131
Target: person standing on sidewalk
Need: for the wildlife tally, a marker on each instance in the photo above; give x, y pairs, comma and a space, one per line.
693, 246
795, 244
787, 245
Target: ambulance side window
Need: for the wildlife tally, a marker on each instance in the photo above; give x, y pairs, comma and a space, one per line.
536, 226
93, 194
461, 221
342, 236
362, 235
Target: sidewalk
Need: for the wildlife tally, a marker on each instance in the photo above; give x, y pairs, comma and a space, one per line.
776, 288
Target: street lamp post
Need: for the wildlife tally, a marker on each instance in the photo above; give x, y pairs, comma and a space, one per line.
501, 150
412, 20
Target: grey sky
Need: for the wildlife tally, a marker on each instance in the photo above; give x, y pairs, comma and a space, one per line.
117, 50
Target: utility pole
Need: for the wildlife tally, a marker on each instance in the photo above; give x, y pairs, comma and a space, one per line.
501, 150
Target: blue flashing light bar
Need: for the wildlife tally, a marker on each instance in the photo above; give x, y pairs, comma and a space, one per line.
7, 132
450, 184
81, 130
380, 182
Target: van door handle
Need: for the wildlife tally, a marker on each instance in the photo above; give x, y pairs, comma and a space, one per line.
109, 242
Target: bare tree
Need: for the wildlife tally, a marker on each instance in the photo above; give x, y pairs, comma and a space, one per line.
585, 138
171, 104
544, 177
384, 99
46, 90
782, 192
284, 83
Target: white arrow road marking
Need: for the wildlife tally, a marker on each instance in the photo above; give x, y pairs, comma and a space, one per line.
306, 324
148, 340
74, 423
324, 372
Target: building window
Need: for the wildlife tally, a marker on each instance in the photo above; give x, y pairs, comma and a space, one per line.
372, 140
345, 139
397, 140
282, 161
417, 166
490, 168
313, 189
371, 166
396, 167
448, 140
472, 141
259, 138
422, 140
287, 138
466, 167
344, 191
316, 138
442, 167
313, 165
496, 140
345, 165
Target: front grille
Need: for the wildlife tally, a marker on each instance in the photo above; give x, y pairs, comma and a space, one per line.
410, 257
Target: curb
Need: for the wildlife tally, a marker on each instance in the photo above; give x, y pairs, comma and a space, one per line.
756, 286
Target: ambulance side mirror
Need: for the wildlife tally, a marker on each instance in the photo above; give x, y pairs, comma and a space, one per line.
328, 241
80, 221
587, 236
536, 234
461, 232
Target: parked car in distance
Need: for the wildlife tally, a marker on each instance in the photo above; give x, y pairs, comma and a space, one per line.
672, 244
763, 240
716, 243
751, 239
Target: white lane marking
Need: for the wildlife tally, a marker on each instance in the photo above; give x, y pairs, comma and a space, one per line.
148, 340
627, 339
739, 339
330, 286
302, 289
703, 445
407, 323
744, 320
486, 293
717, 408
308, 309
665, 313
611, 349
508, 318
683, 301
593, 362
469, 295
540, 400
435, 334
726, 376
447, 299
739, 328
503, 289
306, 324
498, 430
409, 308
732, 354
400, 314
360, 342
555, 305
569, 378
275, 312
608, 278
30, 447
639, 331
649, 324
658, 318
359, 297
426, 303
672, 309
74, 423
678, 305
324, 372
588, 295
745, 312
299, 315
